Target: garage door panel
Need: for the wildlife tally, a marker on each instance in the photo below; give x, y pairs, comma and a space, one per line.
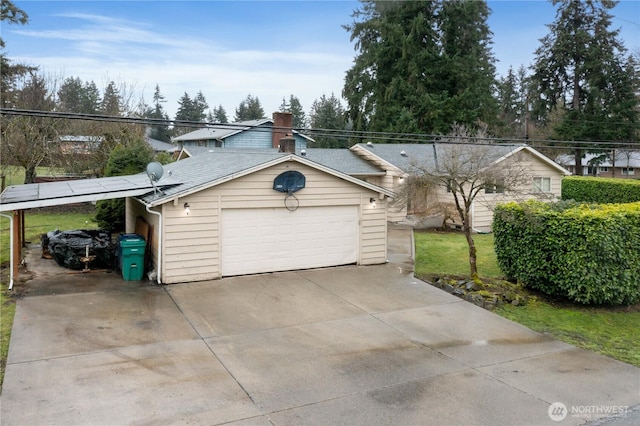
269, 240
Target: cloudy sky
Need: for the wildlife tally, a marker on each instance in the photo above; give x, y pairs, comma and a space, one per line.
229, 49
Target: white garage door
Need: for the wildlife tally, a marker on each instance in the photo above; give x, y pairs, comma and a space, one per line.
269, 240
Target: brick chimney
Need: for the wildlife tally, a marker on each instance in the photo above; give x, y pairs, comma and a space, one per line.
282, 125
288, 144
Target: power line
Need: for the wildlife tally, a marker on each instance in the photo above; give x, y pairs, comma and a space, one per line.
347, 135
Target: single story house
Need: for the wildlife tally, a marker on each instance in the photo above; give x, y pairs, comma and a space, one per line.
160, 146
624, 164
85, 145
253, 134
79, 144
235, 212
539, 176
389, 165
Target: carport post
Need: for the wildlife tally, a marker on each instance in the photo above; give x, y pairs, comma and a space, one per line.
11, 248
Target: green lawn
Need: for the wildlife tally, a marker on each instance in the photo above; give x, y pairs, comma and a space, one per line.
448, 253
14, 175
35, 224
614, 332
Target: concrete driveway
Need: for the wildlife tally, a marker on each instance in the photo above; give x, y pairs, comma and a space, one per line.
349, 345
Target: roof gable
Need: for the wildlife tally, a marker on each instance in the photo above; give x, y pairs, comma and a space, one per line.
222, 165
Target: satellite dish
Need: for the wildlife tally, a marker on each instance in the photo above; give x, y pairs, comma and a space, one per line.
154, 171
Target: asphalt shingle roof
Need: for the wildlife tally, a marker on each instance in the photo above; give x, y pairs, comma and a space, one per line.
220, 131
343, 160
407, 156
208, 168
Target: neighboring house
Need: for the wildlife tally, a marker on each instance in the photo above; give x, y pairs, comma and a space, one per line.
625, 164
79, 145
160, 146
85, 145
253, 134
540, 177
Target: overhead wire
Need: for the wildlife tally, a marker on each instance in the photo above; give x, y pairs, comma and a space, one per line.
347, 135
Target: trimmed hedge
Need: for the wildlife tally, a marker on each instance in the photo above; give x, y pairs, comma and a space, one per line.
587, 253
600, 190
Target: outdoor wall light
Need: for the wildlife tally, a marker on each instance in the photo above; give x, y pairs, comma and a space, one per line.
186, 208
373, 202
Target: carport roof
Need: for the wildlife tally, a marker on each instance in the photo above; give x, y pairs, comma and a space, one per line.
20, 197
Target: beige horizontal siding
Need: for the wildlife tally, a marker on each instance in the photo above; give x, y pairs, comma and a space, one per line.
373, 232
191, 244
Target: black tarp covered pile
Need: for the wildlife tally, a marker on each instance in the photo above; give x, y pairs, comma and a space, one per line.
68, 248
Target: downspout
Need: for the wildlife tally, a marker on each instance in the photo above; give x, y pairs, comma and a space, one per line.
159, 265
10, 249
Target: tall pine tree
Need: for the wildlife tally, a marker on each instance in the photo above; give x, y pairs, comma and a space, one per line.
159, 131
328, 114
295, 108
581, 74
421, 66
249, 109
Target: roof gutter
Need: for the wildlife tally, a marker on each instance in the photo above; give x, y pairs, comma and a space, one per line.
159, 265
10, 248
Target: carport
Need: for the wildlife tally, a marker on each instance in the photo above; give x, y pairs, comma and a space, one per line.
18, 198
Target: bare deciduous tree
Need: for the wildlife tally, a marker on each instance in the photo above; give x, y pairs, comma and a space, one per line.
461, 169
26, 140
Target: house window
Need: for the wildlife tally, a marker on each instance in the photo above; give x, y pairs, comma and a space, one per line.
603, 169
628, 171
201, 143
541, 184
495, 187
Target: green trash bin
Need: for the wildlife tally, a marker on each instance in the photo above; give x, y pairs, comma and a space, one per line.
132, 258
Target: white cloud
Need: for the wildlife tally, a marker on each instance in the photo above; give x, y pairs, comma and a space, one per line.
103, 48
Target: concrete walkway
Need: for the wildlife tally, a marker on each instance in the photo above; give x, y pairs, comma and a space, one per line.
349, 345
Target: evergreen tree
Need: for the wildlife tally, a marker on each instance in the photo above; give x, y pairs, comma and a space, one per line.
295, 108
158, 131
75, 95
421, 66
249, 109
11, 14
91, 98
200, 107
185, 108
111, 101
124, 160
513, 104
11, 73
580, 68
218, 115
328, 114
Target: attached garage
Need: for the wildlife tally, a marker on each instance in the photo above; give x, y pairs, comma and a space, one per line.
230, 217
